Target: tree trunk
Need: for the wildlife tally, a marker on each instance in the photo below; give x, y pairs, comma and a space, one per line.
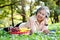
56, 17
12, 15
23, 11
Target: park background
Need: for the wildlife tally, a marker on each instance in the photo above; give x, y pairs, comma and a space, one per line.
11, 10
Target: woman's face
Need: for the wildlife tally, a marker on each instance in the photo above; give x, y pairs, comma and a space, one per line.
41, 15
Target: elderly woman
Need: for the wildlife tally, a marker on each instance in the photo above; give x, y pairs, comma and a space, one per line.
38, 22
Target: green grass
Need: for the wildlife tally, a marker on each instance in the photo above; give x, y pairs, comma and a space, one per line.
55, 26
35, 36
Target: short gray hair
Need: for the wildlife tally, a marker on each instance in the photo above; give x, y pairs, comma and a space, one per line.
44, 8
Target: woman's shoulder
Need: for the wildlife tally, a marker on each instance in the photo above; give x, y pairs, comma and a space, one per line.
45, 21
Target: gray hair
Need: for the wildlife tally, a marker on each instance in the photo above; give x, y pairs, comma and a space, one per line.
44, 8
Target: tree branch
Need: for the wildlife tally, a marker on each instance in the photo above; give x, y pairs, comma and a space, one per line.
9, 4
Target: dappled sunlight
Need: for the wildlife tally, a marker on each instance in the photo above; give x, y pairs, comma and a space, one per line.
29, 20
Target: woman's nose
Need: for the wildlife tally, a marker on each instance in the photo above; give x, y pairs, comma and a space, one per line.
41, 15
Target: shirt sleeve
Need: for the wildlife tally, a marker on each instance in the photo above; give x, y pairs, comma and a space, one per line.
46, 21
44, 28
30, 25
26, 24
22, 25
45, 24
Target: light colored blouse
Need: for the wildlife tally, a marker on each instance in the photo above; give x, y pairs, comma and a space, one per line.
33, 24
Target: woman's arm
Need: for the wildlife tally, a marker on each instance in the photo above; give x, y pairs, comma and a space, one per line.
45, 26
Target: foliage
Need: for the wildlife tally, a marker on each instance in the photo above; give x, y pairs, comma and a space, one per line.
55, 26
18, 7
34, 36
53, 35
57, 10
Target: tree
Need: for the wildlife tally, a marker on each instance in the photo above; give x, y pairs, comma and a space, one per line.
23, 11
6, 5
53, 4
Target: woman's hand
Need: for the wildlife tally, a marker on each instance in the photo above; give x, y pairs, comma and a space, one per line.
46, 31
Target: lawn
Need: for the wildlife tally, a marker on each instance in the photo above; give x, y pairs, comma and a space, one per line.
53, 35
